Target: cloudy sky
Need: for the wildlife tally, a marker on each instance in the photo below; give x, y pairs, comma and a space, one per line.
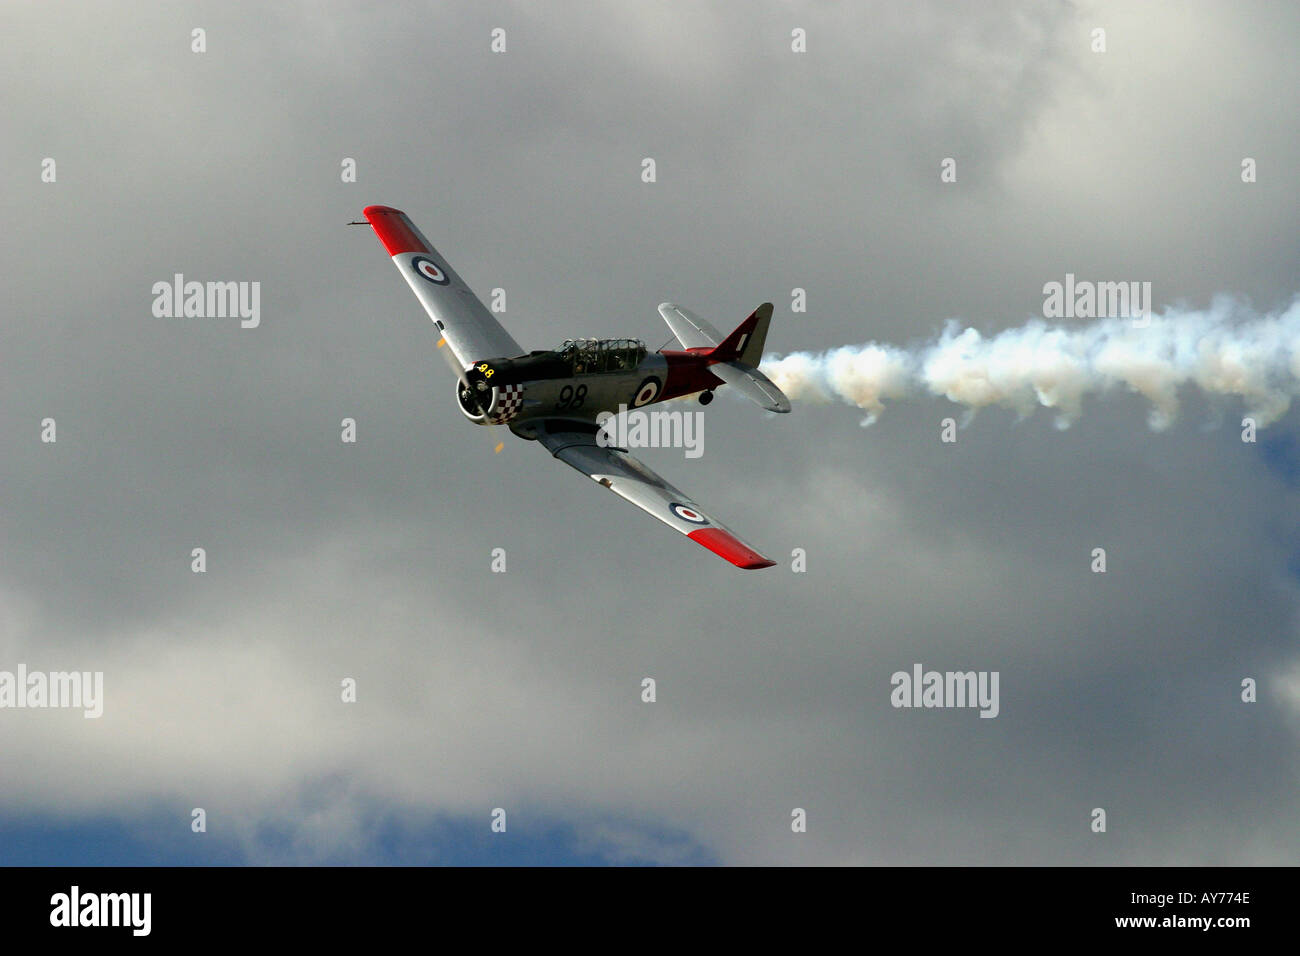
371, 561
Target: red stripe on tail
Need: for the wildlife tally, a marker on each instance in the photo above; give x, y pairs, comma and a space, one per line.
741, 338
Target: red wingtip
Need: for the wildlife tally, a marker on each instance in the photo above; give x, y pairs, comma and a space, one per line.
395, 230
730, 547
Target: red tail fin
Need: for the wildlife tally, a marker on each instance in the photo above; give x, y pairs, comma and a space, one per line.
745, 344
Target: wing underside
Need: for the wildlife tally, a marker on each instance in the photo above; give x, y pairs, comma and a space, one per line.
628, 478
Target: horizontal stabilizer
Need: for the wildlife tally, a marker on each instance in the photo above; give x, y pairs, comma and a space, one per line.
691, 330
753, 384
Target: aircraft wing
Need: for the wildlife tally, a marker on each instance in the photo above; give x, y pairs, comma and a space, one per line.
575, 445
470, 330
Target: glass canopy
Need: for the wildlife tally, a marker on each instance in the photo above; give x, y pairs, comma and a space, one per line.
587, 356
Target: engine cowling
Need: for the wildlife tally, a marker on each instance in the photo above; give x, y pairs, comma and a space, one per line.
478, 401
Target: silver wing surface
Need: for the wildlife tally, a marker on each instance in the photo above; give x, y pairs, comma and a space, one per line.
470, 330
575, 444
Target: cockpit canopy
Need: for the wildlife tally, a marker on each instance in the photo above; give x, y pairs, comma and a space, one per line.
586, 356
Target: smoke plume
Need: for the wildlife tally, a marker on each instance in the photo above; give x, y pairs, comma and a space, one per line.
1227, 350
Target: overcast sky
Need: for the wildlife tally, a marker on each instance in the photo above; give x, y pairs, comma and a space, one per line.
477, 690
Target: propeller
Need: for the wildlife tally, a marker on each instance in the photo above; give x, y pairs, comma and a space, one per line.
468, 389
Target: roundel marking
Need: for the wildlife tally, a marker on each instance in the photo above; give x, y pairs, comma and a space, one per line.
687, 514
647, 392
429, 269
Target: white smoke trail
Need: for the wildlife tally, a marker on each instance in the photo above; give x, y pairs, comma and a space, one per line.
1225, 350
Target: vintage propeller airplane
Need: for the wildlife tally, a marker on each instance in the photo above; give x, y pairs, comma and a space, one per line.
555, 397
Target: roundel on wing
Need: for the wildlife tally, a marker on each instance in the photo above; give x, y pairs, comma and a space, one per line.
646, 393
429, 269
687, 514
